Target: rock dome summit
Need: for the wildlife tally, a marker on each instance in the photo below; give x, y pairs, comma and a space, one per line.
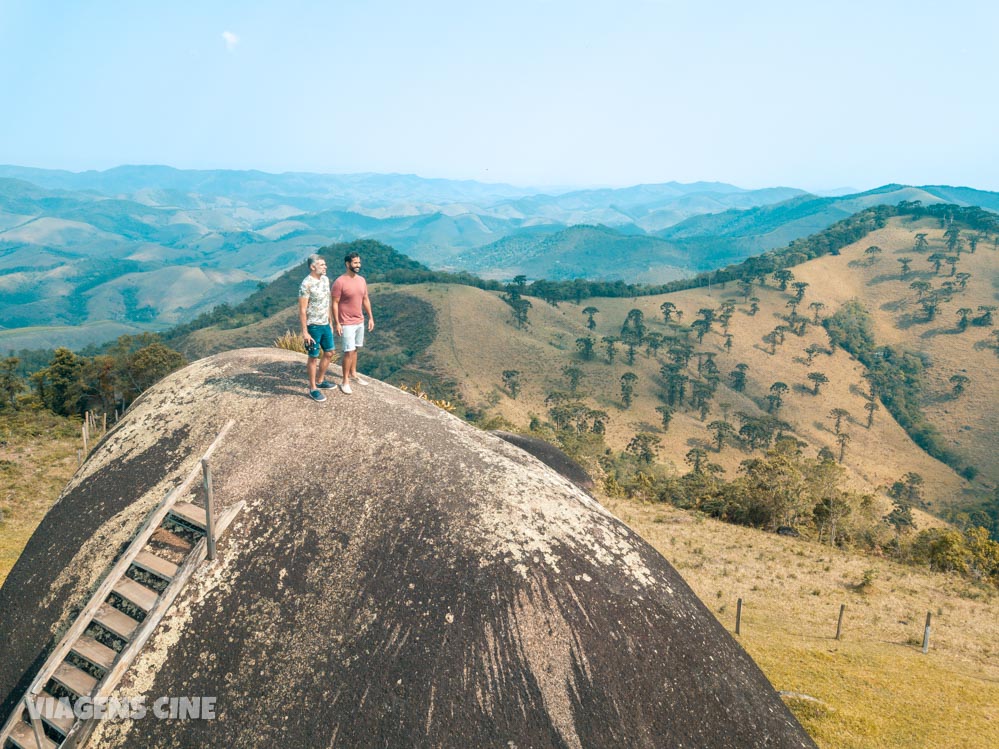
396, 578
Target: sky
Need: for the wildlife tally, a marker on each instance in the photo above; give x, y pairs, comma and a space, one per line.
583, 93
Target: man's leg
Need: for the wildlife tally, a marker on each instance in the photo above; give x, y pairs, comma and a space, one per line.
323, 366
310, 367
349, 365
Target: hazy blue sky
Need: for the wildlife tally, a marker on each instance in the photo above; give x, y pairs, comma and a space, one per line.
549, 92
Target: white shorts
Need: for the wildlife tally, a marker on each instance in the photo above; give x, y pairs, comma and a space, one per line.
353, 337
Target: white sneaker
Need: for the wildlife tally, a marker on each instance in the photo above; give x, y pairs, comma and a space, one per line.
346, 388
359, 381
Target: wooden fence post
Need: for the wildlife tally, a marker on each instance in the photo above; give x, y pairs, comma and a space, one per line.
738, 616
206, 470
85, 448
839, 622
926, 632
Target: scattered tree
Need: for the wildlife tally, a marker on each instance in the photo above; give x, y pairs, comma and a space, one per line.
818, 379
643, 446
585, 346
590, 312
511, 380
721, 430
958, 383
628, 380
838, 414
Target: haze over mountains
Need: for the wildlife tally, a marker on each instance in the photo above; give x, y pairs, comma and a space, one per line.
145, 247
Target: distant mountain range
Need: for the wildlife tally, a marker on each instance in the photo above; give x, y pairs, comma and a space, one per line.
146, 247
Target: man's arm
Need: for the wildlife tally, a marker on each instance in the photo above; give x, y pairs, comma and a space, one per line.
303, 303
336, 315
367, 308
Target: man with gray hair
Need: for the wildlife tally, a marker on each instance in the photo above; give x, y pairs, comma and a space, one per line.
314, 305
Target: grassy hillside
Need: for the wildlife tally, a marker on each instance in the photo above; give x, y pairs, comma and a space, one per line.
37, 458
469, 316
873, 687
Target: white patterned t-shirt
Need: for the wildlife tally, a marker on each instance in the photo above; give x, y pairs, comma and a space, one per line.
317, 291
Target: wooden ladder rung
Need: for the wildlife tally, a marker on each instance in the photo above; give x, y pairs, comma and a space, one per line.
170, 540
90, 650
189, 514
75, 680
115, 622
60, 716
137, 593
23, 736
155, 565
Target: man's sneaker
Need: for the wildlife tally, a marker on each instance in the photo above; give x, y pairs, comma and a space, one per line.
346, 388
317, 395
324, 385
359, 381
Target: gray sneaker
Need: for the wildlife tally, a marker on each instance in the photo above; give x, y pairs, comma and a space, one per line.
317, 395
346, 388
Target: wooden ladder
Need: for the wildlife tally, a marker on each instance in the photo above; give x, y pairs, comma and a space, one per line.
123, 611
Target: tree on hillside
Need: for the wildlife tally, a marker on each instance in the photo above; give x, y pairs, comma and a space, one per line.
738, 377
818, 379
511, 380
964, 313
905, 261
590, 312
572, 377
985, 319
57, 384
634, 326
958, 383
799, 290
811, 352
953, 238
585, 346
776, 397
873, 254
629, 354
653, 342
697, 458
610, 347
745, 289
772, 339
754, 306
783, 277
666, 415
842, 438
952, 261
816, 307
962, 279
937, 259
837, 415
643, 446
668, 309
728, 342
871, 406
11, 386
628, 380
722, 430
921, 288
921, 244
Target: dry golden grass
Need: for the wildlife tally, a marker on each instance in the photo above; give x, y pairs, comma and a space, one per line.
37, 458
969, 424
477, 341
874, 686
291, 342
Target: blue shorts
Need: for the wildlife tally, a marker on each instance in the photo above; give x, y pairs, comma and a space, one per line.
322, 337
353, 337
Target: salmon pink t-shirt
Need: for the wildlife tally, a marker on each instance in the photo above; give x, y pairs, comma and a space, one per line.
350, 292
